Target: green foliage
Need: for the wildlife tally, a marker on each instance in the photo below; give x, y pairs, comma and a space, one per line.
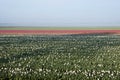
64, 57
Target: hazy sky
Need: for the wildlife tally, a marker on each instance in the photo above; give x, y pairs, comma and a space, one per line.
60, 12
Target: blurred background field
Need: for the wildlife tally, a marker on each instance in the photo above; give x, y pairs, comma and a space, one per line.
58, 28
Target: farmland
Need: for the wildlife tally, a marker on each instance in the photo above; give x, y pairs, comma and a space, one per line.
91, 56
57, 31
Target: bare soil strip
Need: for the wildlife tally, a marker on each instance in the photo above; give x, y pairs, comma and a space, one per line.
57, 32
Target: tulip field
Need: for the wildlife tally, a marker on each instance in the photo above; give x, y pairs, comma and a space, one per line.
94, 56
